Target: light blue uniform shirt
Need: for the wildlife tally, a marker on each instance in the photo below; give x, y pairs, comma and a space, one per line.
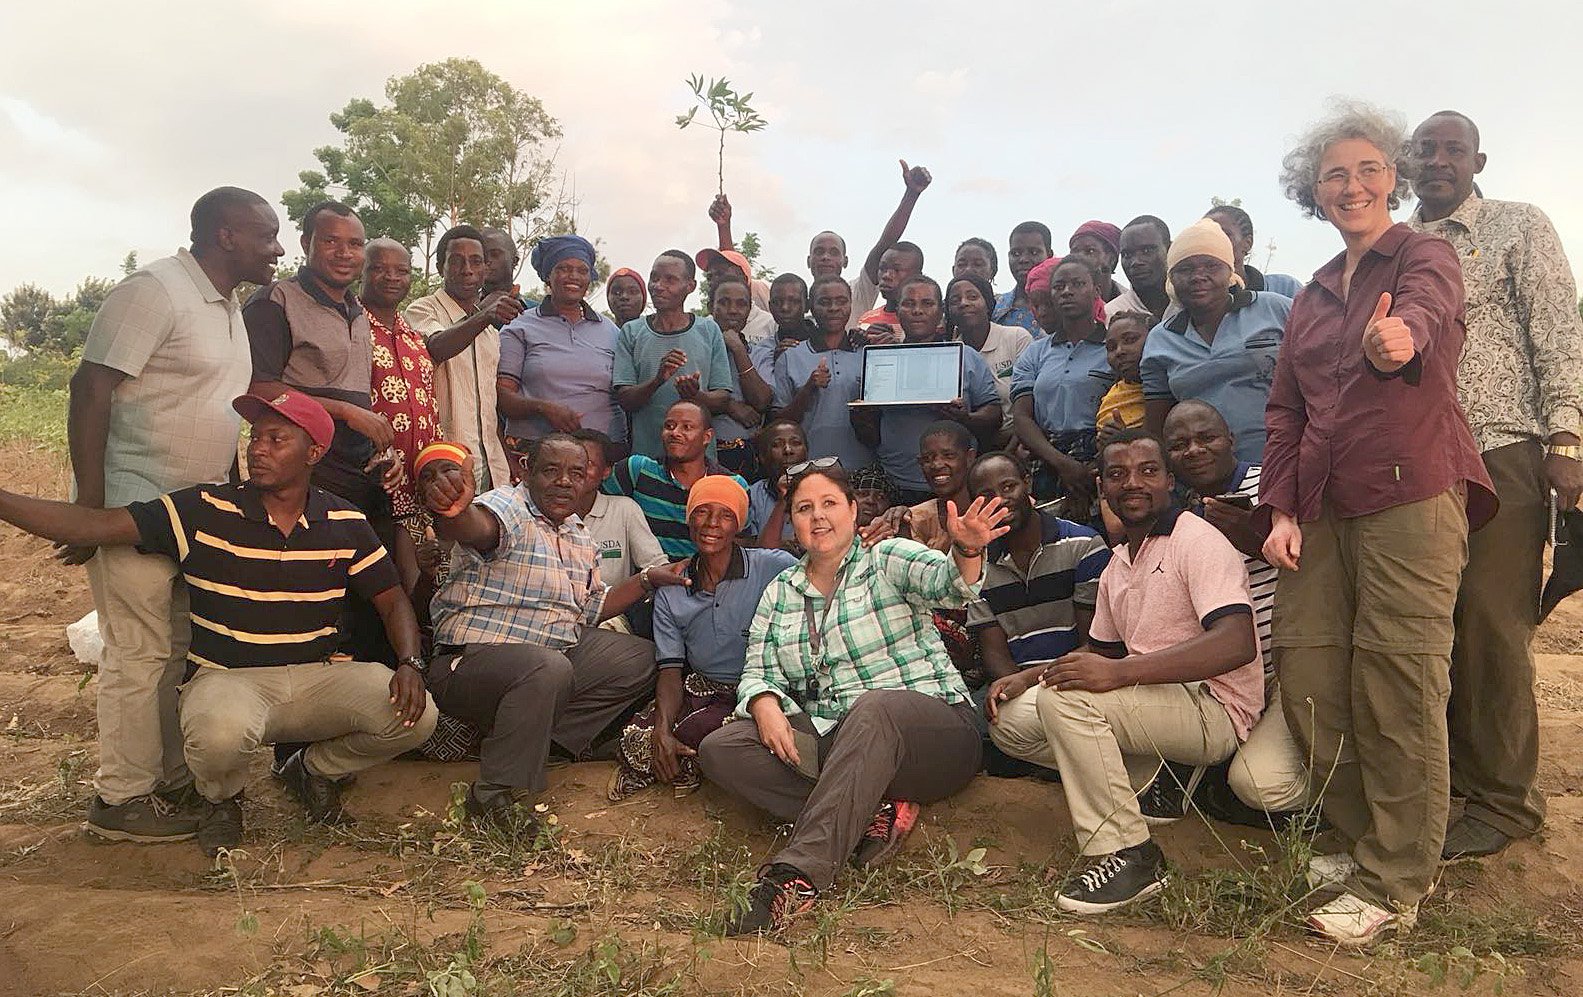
708, 631
639, 349
556, 361
761, 501
901, 426
827, 423
762, 355
1067, 381
1233, 373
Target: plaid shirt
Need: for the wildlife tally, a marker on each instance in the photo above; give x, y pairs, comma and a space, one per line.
878, 635
540, 585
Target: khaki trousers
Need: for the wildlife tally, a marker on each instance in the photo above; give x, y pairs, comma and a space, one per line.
1109, 745
1494, 719
1270, 772
341, 708
142, 606
895, 744
1362, 633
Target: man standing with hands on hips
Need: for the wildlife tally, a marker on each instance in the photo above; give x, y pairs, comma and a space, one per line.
1520, 381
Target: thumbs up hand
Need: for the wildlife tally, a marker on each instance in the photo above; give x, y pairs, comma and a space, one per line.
1387, 342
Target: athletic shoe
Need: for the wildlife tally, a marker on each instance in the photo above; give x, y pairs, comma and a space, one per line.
1471, 838
781, 894
150, 818
1352, 922
892, 822
1330, 872
1167, 798
221, 826
319, 796
1115, 880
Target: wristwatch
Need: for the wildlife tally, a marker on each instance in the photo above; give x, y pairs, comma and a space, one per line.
416, 663
967, 552
1571, 451
645, 581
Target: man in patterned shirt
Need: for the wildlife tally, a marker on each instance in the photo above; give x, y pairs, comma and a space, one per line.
1520, 382
518, 652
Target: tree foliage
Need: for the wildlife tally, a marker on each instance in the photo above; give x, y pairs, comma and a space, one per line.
453, 143
36, 321
731, 111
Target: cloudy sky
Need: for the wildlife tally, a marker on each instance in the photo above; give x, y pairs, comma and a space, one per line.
114, 116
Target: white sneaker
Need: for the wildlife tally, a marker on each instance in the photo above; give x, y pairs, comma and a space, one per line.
1330, 871
1352, 922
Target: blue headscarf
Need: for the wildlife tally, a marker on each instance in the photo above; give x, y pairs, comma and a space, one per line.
553, 249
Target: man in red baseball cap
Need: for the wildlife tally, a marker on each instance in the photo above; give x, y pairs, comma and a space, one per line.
268, 564
718, 263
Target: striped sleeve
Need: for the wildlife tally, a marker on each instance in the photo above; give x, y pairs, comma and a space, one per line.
161, 526
1090, 565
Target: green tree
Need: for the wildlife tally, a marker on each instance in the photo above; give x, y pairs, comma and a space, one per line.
23, 313
731, 111
454, 142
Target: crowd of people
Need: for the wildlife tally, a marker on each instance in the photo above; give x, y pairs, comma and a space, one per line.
1210, 540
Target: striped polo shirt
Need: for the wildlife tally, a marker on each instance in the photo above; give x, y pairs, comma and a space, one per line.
662, 499
258, 597
1038, 609
1262, 577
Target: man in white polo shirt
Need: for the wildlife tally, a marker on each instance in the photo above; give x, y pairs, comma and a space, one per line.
150, 414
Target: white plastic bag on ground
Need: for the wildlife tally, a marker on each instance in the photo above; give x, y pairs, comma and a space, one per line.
85, 640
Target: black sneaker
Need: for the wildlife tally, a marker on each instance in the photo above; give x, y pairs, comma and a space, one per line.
781, 893
500, 812
221, 826
1166, 799
892, 822
319, 796
1115, 880
1471, 838
150, 818
184, 797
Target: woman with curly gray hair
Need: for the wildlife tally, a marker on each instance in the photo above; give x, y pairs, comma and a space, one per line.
1371, 482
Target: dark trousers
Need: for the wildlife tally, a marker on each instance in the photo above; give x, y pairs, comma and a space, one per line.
1494, 721
524, 696
894, 744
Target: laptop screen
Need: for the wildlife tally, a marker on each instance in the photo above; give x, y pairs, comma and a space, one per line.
912, 373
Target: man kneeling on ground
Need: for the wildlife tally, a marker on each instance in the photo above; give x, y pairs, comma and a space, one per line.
518, 652
1171, 672
267, 565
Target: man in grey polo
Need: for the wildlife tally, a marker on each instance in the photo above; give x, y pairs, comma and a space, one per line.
150, 414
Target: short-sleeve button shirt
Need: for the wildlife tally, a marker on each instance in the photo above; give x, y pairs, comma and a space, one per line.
1067, 381
708, 631
1233, 373
259, 597
184, 350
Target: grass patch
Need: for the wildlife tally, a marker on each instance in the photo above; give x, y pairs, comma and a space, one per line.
35, 416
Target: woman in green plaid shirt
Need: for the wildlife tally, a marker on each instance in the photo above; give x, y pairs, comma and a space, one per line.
855, 714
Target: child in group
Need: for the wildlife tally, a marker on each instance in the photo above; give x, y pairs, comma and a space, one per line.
1122, 406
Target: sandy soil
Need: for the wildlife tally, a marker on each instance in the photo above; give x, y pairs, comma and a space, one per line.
611, 906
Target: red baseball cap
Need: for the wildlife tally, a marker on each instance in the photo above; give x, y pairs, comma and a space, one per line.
736, 259
293, 406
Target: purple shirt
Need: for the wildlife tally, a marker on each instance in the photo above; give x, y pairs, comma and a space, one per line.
1341, 432
556, 361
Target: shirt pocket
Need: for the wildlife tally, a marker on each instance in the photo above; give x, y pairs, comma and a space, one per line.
1259, 354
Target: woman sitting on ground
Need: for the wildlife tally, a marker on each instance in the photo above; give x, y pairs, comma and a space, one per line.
848, 686
699, 643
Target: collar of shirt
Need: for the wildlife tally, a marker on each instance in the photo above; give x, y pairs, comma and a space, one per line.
1097, 337
348, 309
1051, 529
1181, 321
315, 510
797, 577
546, 310
1162, 528
737, 568
200, 279
1466, 215
401, 329
1329, 275
571, 524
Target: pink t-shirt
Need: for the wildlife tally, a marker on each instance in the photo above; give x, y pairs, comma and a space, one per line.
1180, 583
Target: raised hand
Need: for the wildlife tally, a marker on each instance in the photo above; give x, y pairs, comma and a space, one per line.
720, 210
446, 487
980, 524
501, 307
916, 178
820, 378
672, 362
1387, 342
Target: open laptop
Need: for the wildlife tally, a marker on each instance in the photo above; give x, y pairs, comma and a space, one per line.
911, 374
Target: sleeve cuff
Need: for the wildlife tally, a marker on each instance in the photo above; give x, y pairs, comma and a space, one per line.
1564, 419
1235, 609
1110, 648
671, 663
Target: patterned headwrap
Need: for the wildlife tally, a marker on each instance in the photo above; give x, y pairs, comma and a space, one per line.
873, 478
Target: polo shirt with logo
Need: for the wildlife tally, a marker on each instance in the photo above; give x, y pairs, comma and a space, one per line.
1185, 577
259, 597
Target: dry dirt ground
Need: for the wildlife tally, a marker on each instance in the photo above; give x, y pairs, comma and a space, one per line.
619, 900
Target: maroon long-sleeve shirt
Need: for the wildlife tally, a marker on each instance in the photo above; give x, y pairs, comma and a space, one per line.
1342, 432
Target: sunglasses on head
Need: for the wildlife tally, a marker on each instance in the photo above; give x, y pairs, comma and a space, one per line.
817, 464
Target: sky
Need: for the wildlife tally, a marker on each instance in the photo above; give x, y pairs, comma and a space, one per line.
114, 117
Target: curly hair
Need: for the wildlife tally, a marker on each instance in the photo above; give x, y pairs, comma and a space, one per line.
1349, 119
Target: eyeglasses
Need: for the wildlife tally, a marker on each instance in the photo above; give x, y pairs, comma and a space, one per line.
1368, 173
817, 464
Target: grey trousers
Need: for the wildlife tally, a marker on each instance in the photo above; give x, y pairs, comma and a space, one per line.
524, 696
893, 745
